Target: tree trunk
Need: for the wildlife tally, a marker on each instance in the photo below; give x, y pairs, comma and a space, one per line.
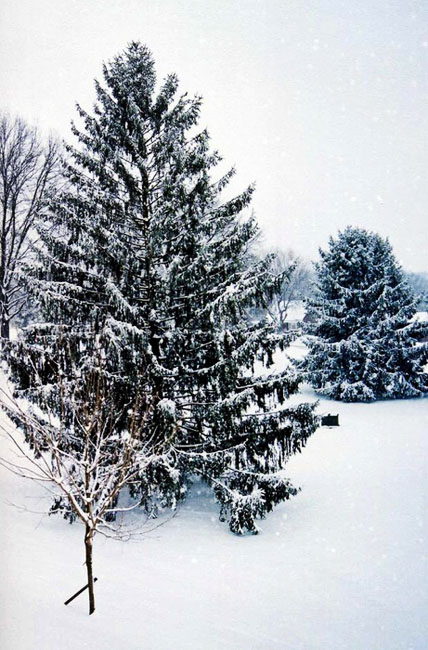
4, 312
5, 329
88, 548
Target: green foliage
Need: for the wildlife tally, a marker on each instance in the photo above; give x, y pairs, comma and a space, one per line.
365, 344
143, 266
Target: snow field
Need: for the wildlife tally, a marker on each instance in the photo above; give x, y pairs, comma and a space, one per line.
340, 566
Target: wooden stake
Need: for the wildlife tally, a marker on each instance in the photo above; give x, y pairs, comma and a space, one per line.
78, 593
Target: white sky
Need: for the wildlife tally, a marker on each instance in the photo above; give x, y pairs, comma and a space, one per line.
322, 102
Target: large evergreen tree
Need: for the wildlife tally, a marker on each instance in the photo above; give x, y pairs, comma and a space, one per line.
142, 265
365, 345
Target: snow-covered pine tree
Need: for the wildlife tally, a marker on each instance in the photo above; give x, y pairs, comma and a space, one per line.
365, 345
143, 264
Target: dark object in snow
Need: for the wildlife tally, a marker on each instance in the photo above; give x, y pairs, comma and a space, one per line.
330, 420
78, 593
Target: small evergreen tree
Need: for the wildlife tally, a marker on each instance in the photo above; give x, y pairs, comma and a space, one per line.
365, 344
418, 283
142, 263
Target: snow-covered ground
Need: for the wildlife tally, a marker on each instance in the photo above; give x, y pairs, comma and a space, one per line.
341, 566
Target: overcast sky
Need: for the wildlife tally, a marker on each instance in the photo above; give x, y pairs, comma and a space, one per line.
322, 102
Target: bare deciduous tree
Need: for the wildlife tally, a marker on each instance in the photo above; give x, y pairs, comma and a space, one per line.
296, 285
27, 173
86, 467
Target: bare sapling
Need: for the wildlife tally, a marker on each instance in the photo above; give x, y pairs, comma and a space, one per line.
88, 465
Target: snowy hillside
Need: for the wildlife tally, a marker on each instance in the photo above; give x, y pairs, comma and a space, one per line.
340, 566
